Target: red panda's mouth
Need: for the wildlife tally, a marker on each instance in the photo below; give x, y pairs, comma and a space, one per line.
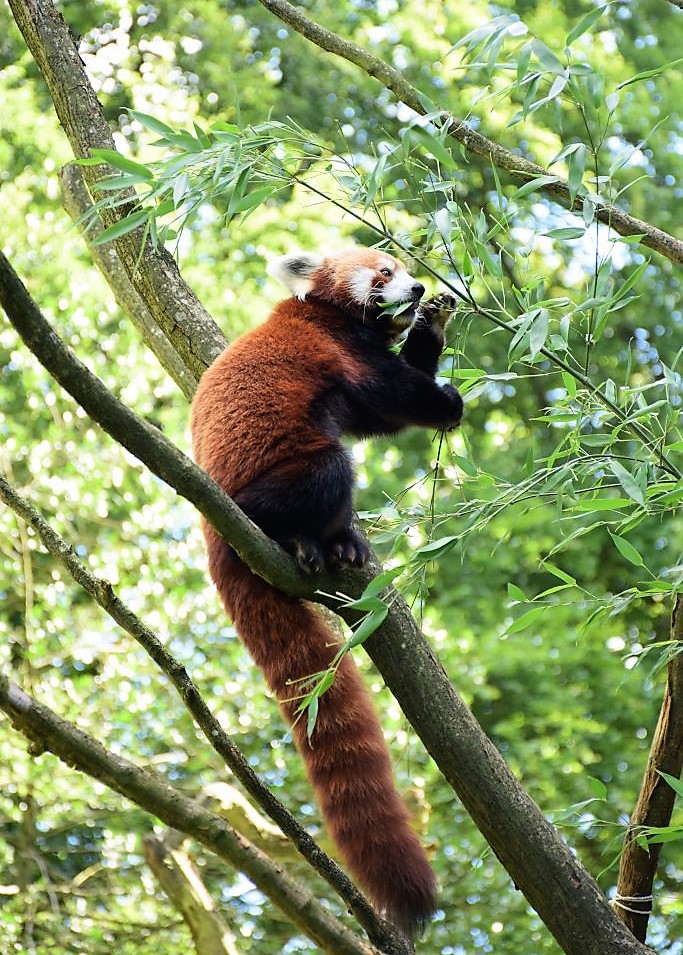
399, 315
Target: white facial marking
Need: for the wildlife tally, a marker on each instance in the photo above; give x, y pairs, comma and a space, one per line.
399, 288
360, 283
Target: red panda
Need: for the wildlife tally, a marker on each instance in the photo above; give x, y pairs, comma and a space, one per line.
267, 421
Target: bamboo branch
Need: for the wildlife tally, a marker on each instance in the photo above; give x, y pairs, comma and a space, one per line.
146, 789
577, 374
638, 866
473, 142
565, 896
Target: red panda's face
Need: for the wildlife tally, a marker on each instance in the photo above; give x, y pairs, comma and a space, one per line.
362, 281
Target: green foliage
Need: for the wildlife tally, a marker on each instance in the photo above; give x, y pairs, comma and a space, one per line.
540, 545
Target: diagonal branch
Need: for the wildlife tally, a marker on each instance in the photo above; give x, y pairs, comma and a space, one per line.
474, 142
102, 593
143, 440
565, 896
48, 732
638, 866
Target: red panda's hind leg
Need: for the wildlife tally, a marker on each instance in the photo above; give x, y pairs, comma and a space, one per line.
346, 547
306, 506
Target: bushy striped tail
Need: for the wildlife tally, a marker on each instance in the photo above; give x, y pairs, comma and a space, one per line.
346, 760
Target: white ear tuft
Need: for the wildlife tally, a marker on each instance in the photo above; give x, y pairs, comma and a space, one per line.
294, 271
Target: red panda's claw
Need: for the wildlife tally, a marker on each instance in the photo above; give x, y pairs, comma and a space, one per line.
308, 554
348, 548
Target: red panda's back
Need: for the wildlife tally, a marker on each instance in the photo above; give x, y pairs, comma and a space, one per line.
254, 407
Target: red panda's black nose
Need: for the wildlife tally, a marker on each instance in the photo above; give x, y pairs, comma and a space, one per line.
417, 291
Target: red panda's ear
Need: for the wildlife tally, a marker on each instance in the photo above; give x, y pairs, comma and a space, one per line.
294, 271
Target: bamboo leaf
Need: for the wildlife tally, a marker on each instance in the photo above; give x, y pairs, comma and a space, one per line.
648, 74
676, 784
584, 25
627, 550
115, 159
312, 716
534, 185
628, 482
538, 333
435, 549
521, 623
570, 232
368, 626
123, 226
381, 582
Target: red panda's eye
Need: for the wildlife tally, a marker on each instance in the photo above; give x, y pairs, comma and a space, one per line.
386, 272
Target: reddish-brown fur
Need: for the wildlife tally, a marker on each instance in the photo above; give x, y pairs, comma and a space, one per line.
347, 761
264, 425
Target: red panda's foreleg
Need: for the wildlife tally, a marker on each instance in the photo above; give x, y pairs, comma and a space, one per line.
424, 344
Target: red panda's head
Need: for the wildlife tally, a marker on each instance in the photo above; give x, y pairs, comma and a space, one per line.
360, 281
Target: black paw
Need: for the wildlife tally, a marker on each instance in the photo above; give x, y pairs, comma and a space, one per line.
437, 310
307, 553
456, 406
348, 548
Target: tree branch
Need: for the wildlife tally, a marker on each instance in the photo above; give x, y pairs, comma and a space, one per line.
556, 885
154, 274
143, 440
638, 866
516, 166
102, 593
48, 732
182, 883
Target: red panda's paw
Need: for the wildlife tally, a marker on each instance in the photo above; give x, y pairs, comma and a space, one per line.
437, 310
348, 548
456, 408
308, 554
